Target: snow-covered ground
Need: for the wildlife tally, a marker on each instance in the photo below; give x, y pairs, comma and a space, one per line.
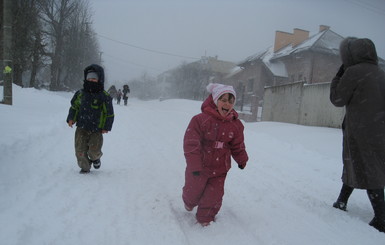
283, 196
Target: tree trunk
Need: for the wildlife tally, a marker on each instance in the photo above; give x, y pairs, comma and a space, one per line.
17, 74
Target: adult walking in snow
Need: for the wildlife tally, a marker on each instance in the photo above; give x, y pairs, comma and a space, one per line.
126, 90
92, 111
359, 85
211, 139
119, 96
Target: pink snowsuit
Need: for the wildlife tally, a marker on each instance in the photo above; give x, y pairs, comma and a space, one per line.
209, 143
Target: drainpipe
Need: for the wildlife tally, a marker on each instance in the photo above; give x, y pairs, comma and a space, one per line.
311, 67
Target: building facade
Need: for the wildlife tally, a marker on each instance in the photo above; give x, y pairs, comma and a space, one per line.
294, 57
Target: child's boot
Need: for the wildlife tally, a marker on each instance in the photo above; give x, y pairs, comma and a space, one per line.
205, 224
188, 208
96, 163
82, 171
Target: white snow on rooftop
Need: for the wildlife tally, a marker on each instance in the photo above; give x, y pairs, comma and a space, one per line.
289, 49
234, 71
326, 40
253, 57
278, 68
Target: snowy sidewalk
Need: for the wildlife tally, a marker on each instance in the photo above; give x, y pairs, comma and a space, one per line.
283, 196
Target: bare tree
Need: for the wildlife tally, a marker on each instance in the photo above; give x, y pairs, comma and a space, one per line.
72, 41
55, 15
24, 40
189, 81
37, 56
81, 47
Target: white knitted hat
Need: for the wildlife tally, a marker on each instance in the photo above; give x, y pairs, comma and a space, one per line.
217, 90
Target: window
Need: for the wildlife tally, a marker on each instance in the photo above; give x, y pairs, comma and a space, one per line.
250, 85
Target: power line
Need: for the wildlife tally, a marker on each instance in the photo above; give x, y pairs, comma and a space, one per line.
148, 50
132, 63
367, 6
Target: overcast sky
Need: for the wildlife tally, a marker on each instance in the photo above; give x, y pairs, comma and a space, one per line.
152, 36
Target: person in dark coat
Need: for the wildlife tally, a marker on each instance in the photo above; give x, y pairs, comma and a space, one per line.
211, 139
126, 90
359, 85
92, 111
119, 96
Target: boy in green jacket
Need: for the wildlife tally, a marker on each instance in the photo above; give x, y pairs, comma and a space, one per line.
92, 111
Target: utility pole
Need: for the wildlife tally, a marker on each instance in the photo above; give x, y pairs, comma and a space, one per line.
6, 45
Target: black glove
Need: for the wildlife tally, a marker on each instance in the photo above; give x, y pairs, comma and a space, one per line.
196, 173
340, 71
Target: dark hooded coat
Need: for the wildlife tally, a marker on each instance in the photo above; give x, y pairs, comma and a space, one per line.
91, 107
361, 89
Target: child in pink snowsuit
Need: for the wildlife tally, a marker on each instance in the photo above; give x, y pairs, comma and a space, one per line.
211, 139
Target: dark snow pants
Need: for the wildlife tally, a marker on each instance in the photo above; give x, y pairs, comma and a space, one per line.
205, 191
88, 147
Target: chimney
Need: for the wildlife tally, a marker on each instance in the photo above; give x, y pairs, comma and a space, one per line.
323, 27
299, 36
282, 39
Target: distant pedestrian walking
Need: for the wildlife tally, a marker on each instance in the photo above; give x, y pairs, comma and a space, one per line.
119, 96
126, 90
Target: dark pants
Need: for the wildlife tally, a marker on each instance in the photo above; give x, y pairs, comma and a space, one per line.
205, 191
88, 147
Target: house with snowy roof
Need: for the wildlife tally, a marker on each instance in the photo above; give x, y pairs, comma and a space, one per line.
294, 57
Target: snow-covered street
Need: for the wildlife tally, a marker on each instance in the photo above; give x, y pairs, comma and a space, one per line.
283, 196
